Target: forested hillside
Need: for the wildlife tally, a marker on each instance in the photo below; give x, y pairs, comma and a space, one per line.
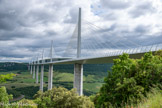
95, 69
11, 66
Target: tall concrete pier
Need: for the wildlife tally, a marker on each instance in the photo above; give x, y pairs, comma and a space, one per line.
50, 73
78, 68
42, 73
37, 74
78, 78
29, 66
31, 69
34, 71
41, 78
50, 77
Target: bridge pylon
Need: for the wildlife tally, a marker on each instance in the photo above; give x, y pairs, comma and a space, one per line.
78, 68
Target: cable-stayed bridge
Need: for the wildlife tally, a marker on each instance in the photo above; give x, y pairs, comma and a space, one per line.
90, 47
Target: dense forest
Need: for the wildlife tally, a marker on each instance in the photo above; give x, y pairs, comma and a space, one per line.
12, 66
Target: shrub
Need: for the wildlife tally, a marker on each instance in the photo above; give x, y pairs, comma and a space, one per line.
24, 103
62, 98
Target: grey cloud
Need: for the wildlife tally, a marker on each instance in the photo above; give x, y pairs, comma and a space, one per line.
11, 52
11, 20
6, 25
142, 29
50, 33
43, 15
14, 13
109, 16
142, 9
71, 16
17, 33
111, 28
7, 20
17, 18
114, 4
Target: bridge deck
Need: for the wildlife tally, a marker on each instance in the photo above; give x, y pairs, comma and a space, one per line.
94, 60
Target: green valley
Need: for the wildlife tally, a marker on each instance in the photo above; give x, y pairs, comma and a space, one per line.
24, 84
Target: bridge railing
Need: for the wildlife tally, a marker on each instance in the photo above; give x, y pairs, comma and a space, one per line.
142, 49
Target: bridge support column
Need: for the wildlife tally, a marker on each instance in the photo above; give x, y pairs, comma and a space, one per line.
41, 78
78, 78
50, 77
37, 73
33, 71
29, 67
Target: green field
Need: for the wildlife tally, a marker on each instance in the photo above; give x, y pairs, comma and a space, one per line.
24, 81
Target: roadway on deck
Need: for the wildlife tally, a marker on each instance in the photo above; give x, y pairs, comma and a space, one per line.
94, 60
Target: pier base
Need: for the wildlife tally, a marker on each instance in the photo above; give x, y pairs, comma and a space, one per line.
78, 78
50, 77
33, 71
41, 77
37, 74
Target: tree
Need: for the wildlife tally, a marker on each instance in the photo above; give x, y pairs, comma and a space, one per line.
3, 78
4, 97
130, 80
62, 98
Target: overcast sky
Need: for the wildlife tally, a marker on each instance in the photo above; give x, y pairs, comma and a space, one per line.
28, 26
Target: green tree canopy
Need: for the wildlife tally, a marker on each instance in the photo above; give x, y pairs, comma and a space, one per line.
4, 98
130, 80
3, 78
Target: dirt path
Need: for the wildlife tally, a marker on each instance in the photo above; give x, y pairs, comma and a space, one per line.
18, 98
